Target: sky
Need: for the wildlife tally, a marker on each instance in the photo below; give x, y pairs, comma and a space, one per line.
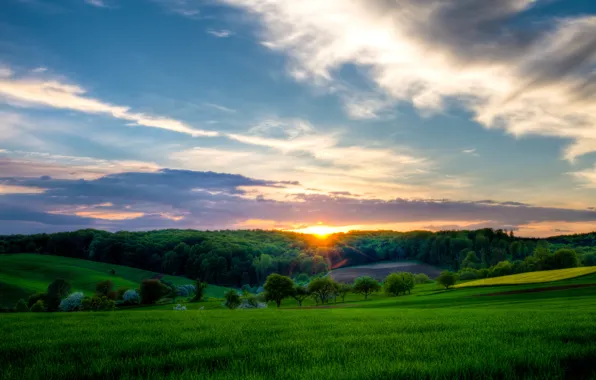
313, 116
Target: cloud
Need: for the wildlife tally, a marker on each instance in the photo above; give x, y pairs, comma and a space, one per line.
48, 93
527, 77
470, 152
208, 200
586, 178
185, 8
96, 3
220, 107
222, 33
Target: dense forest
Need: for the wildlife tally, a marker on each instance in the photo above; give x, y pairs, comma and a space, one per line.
236, 258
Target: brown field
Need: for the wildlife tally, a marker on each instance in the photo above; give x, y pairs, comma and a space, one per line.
381, 270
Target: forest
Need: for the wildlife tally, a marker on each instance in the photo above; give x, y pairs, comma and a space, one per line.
247, 257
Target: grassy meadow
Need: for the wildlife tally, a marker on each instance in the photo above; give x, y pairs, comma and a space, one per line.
465, 333
24, 274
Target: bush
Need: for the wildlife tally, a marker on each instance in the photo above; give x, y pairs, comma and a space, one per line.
422, 278
38, 306
180, 308
366, 285
97, 303
565, 258
232, 299
131, 297
120, 293
36, 297
57, 290
152, 291
468, 275
589, 259
72, 303
104, 287
186, 290
447, 279
302, 278
200, 288
21, 306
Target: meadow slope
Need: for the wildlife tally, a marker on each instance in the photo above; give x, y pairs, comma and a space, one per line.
531, 277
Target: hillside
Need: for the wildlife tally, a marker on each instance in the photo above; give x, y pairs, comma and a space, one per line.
532, 277
24, 274
379, 271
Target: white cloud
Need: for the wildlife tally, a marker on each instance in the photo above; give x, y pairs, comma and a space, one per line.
222, 33
96, 3
220, 107
39, 70
526, 80
38, 92
586, 178
471, 152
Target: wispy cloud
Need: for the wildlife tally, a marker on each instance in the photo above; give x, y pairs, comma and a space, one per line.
471, 152
586, 178
220, 107
185, 8
221, 33
51, 93
96, 3
536, 80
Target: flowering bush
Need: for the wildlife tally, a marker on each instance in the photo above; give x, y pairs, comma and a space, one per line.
131, 297
246, 304
186, 290
180, 307
72, 303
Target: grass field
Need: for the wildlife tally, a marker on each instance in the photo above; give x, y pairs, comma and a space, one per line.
24, 274
532, 277
380, 270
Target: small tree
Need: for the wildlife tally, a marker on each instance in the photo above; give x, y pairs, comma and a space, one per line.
152, 291
323, 287
57, 290
200, 290
300, 294
21, 306
393, 284
38, 306
422, 278
36, 297
447, 279
72, 303
366, 285
471, 261
565, 258
278, 287
343, 290
232, 298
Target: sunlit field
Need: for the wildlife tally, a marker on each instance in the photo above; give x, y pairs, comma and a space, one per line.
432, 333
531, 277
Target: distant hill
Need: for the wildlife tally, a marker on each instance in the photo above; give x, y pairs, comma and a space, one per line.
24, 274
379, 271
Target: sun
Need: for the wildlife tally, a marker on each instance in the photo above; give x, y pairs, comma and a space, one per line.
319, 231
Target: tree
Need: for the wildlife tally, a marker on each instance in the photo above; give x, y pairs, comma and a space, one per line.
300, 294
366, 285
343, 290
232, 298
393, 284
565, 258
38, 306
200, 290
104, 287
589, 259
36, 297
21, 306
471, 261
503, 268
152, 291
278, 287
323, 288
422, 278
57, 290
447, 279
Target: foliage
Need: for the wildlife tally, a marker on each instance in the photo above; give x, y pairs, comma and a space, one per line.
278, 287
366, 285
120, 292
72, 303
232, 299
21, 306
300, 293
200, 290
38, 306
97, 303
589, 259
186, 290
103, 288
468, 274
57, 290
422, 278
396, 283
152, 291
503, 268
36, 297
131, 297
447, 279
179, 307
322, 288
565, 258
343, 290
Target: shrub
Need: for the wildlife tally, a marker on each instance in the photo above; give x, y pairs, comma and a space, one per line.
185, 290
131, 297
503, 268
468, 275
447, 279
247, 304
232, 299
104, 287
366, 285
200, 290
97, 303
152, 291
36, 297
38, 306
57, 290
302, 278
422, 278
565, 258
180, 308
278, 287
589, 259
120, 293
21, 306
72, 303
343, 290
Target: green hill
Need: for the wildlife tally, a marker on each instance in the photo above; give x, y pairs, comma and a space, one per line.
24, 274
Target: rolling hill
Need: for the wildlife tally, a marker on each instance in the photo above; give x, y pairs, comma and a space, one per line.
379, 271
24, 274
531, 277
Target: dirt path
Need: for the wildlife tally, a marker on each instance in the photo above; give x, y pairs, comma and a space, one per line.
536, 290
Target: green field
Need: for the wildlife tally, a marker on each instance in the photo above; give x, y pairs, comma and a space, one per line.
24, 274
531, 277
431, 334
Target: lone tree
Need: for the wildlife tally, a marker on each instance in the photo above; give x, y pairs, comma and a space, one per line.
447, 279
278, 287
56, 291
366, 285
323, 288
232, 298
300, 294
200, 290
343, 290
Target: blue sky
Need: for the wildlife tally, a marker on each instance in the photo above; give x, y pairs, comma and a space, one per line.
336, 115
